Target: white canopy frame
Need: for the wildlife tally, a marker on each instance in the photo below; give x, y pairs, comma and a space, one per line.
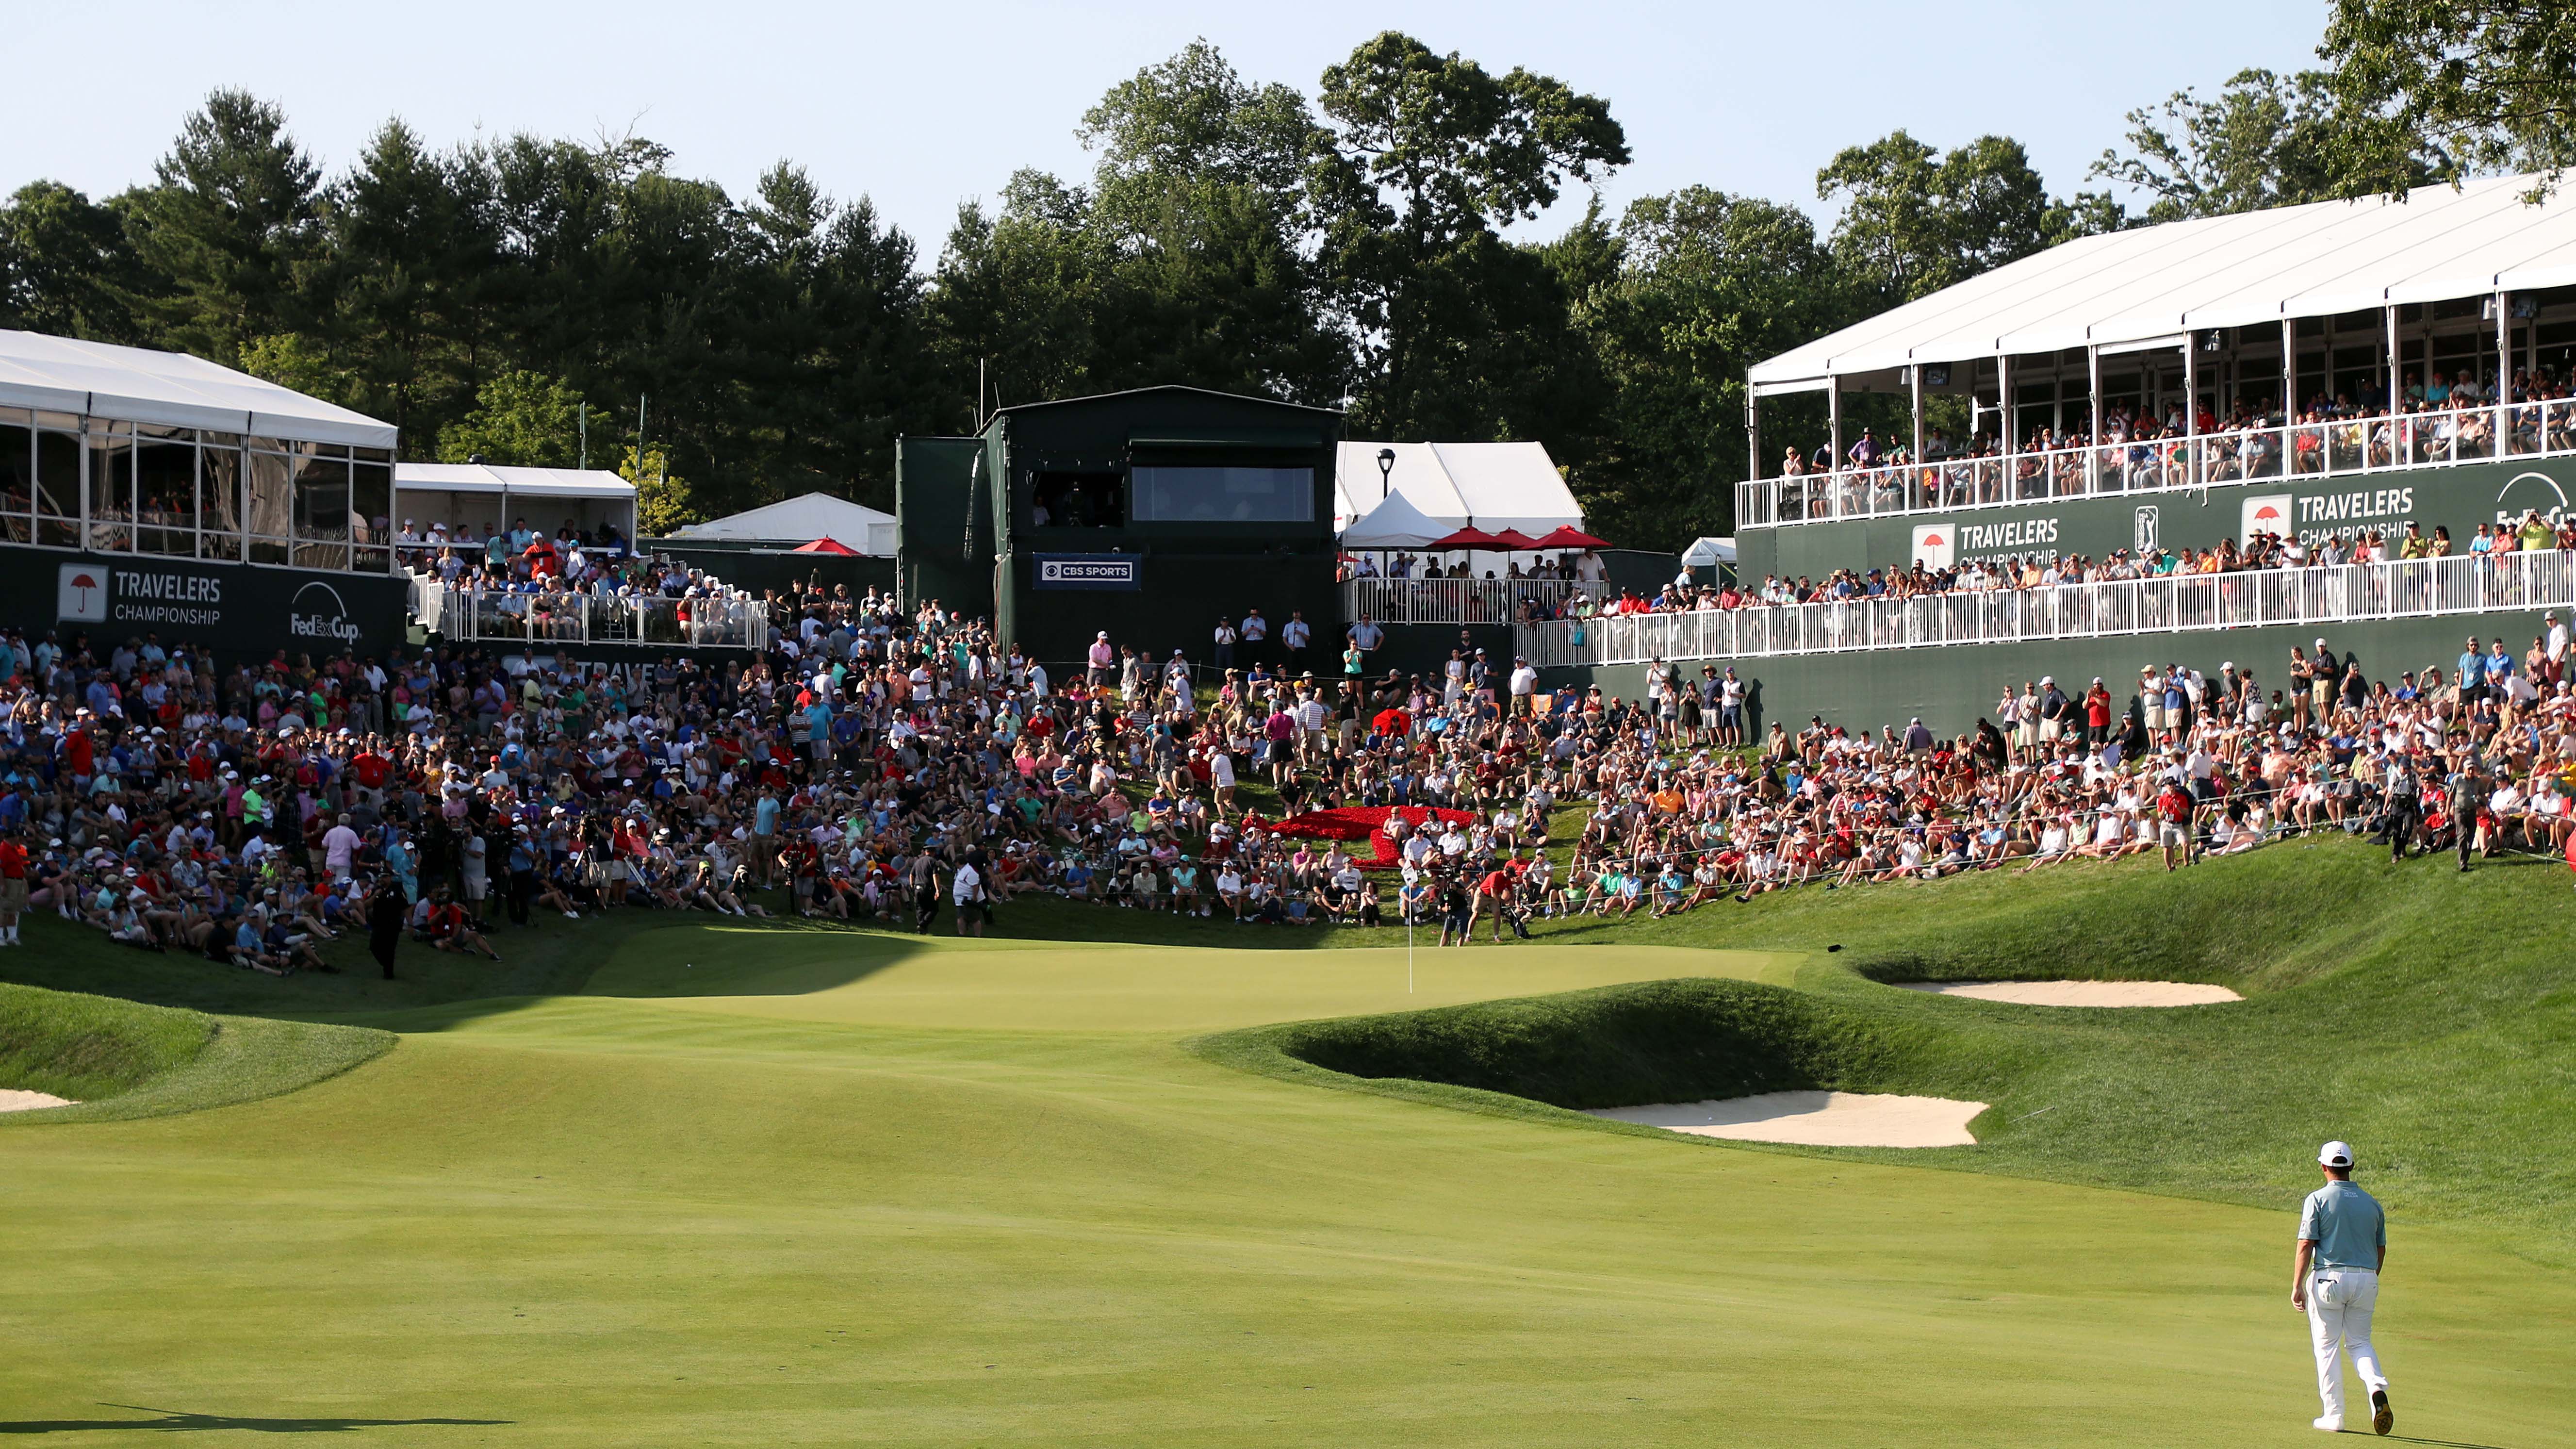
2211, 290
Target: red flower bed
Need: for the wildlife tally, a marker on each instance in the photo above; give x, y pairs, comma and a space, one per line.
1364, 827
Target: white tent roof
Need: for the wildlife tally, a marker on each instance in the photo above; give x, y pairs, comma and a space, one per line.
1395, 523
135, 384
518, 482
802, 520
1707, 552
2227, 271
1495, 485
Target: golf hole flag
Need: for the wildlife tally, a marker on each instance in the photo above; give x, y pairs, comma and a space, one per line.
1935, 544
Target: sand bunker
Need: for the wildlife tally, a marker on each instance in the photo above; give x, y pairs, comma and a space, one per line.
1815, 1119
2081, 993
16, 1101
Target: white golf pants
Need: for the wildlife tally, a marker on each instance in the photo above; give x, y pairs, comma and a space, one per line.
2339, 1304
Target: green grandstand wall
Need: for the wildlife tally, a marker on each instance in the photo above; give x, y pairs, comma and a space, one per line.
1949, 687
2459, 497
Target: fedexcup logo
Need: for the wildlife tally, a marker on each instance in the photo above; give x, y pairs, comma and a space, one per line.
317, 612
80, 594
2552, 505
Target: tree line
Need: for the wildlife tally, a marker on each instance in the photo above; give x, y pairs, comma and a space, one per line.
1346, 248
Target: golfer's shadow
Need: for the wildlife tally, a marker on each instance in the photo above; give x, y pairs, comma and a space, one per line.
172, 1421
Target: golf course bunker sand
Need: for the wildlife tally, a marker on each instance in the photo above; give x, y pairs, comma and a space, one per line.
2082, 993
1815, 1119
17, 1101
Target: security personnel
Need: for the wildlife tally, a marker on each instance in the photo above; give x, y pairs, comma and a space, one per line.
2343, 1243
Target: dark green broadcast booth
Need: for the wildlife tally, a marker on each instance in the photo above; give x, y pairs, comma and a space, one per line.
1146, 513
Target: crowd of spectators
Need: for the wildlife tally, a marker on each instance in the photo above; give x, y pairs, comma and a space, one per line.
879, 763
1687, 593
2478, 760
2450, 417
875, 763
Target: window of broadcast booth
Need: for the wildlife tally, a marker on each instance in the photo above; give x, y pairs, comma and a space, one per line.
146, 488
1221, 493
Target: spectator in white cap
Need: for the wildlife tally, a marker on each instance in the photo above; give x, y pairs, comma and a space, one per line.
2343, 1243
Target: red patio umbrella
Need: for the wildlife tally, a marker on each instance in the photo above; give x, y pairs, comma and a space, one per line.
1515, 540
1469, 537
1568, 536
832, 546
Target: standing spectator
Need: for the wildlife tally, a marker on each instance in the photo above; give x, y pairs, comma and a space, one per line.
1225, 637
13, 886
1294, 636
1366, 636
1256, 638
385, 912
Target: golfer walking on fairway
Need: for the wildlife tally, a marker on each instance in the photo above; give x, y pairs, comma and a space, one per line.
2343, 1243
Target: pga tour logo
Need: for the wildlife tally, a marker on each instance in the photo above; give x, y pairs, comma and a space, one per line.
1935, 544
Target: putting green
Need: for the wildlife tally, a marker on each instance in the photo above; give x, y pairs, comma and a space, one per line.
893, 980
803, 1204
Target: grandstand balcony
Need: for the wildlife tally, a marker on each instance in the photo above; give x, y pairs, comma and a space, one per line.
2340, 448
2350, 593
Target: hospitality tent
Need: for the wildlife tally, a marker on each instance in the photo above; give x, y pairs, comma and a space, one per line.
169, 389
801, 520
1709, 553
2269, 307
1393, 523
1491, 485
474, 499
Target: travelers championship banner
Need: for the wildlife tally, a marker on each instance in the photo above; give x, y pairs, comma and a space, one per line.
1122, 571
235, 608
2310, 509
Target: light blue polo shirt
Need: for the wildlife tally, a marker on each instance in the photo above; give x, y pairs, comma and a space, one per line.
2346, 1225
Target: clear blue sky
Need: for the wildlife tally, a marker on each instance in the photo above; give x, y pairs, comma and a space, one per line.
921, 105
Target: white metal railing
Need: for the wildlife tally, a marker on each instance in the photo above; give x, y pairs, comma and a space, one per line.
2313, 450
499, 616
1450, 601
2467, 584
428, 599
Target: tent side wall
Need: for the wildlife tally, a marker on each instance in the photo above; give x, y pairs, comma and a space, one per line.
761, 567
934, 501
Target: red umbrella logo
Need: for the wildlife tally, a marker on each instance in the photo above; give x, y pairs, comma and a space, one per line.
1934, 540
2267, 514
81, 586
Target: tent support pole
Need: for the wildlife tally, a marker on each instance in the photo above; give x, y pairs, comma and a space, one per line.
2289, 386
2093, 399
2396, 397
1834, 417
1914, 379
2504, 366
2004, 418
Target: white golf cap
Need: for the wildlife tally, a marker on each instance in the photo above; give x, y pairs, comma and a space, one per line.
2335, 1154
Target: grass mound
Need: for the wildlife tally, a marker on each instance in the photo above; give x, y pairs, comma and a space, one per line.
1621, 1046
121, 1059
85, 1047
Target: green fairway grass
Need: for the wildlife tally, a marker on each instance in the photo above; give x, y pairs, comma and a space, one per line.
718, 1184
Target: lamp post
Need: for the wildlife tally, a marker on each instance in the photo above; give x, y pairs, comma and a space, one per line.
1385, 472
